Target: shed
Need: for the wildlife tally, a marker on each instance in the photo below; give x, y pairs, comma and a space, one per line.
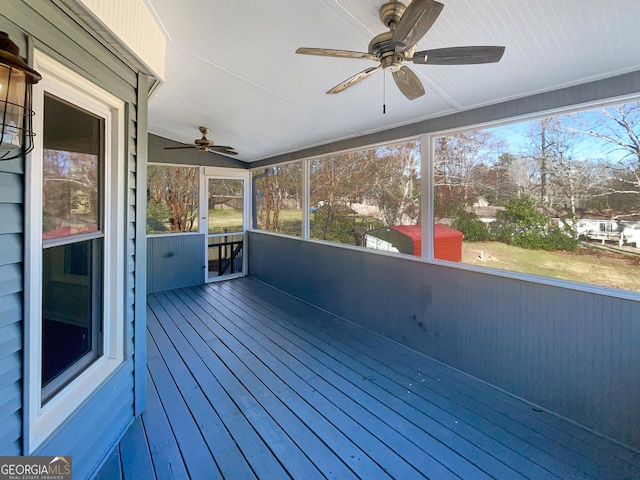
408, 239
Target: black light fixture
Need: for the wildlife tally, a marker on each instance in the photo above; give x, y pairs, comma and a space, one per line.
16, 79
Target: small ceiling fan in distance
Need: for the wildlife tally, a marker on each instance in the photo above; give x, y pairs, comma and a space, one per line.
205, 145
407, 25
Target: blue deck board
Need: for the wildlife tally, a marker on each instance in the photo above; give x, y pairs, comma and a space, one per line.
341, 440
406, 394
167, 459
195, 452
264, 411
519, 434
355, 422
248, 382
417, 437
111, 470
134, 452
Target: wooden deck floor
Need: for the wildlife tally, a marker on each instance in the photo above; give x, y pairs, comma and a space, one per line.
246, 382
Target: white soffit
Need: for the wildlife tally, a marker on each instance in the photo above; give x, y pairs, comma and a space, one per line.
128, 25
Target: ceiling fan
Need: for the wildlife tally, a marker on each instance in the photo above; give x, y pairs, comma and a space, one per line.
407, 25
205, 145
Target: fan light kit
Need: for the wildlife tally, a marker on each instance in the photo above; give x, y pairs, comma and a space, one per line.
407, 25
205, 145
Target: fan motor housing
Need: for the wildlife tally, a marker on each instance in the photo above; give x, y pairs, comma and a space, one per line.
381, 47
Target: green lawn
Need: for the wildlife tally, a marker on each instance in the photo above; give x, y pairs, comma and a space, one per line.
610, 270
225, 220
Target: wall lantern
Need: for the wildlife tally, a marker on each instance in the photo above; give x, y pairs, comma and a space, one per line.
16, 78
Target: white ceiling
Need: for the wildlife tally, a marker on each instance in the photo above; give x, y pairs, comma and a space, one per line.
231, 65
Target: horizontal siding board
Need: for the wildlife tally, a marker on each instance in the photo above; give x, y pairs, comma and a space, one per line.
10, 368
11, 248
11, 215
91, 431
11, 398
10, 310
10, 434
90, 434
10, 339
15, 165
11, 190
52, 28
10, 279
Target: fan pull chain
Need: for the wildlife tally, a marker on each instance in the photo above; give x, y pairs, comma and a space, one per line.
384, 92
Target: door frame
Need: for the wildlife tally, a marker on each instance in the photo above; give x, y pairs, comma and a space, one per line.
207, 173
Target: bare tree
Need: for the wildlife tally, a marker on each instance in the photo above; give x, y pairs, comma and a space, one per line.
551, 147
617, 127
456, 157
172, 194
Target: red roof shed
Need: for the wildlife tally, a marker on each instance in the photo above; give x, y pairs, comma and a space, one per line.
447, 241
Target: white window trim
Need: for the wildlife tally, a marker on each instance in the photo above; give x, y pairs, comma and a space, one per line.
41, 421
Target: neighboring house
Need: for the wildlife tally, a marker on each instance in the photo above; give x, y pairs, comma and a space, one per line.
484, 211
614, 229
72, 231
481, 202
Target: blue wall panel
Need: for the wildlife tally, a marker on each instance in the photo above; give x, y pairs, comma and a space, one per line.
573, 352
175, 261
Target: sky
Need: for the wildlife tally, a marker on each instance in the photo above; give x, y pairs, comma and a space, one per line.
517, 139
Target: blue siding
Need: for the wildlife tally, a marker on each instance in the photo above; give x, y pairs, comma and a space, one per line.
11, 280
90, 433
573, 352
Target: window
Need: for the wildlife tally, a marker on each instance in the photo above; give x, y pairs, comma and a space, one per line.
369, 198
278, 197
557, 196
172, 199
72, 238
75, 263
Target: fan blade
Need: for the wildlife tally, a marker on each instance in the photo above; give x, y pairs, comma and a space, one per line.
223, 149
408, 83
459, 55
329, 52
416, 20
176, 148
358, 77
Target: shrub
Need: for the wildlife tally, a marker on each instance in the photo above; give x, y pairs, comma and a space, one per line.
522, 225
471, 226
